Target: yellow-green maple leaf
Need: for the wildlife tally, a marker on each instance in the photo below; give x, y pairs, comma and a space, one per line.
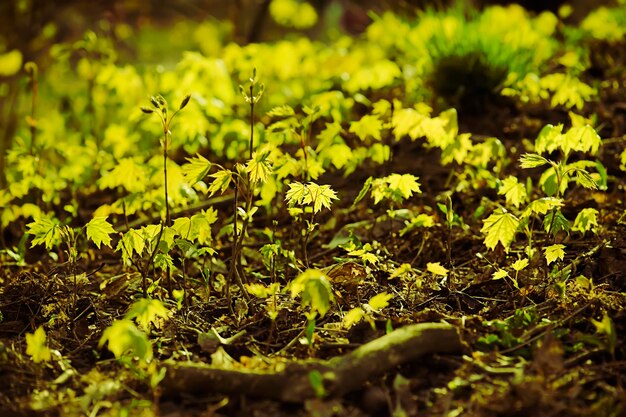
259, 167
98, 231
436, 268
37, 347
513, 191
45, 231
146, 311
221, 181
500, 227
554, 252
368, 126
124, 338
314, 287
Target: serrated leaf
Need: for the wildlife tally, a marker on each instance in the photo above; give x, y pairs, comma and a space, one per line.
513, 191
146, 311
520, 264
549, 138
125, 339
583, 139
405, 184
36, 346
259, 167
435, 268
131, 241
556, 222
98, 231
585, 179
221, 181
45, 231
380, 301
500, 227
196, 169
281, 111
368, 126
369, 257
531, 160
296, 193
499, 274
586, 220
314, 287
352, 317
541, 206
554, 252
321, 196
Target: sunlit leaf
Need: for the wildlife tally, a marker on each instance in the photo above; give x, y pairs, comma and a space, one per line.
221, 181
44, 231
196, 169
542, 206
36, 346
514, 192
146, 311
368, 126
127, 173
405, 184
321, 196
554, 252
520, 264
98, 231
586, 220
401, 270
352, 317
436, 269
380, 301
317, 195
531, 160
296, 194
293, 13
500, 227
132, 241
556, 222
314, 287
259, 167
585, 179
499, 274
125, 339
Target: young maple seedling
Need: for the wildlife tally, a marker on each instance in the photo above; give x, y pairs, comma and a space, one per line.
245, 179
501, 226
305, 195
50, 233
160, 107
394, 188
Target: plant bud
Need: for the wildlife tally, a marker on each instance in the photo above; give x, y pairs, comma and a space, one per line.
146, 110
184, 102
154, 101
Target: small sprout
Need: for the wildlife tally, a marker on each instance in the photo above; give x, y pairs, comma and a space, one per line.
184, 102
146, 110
